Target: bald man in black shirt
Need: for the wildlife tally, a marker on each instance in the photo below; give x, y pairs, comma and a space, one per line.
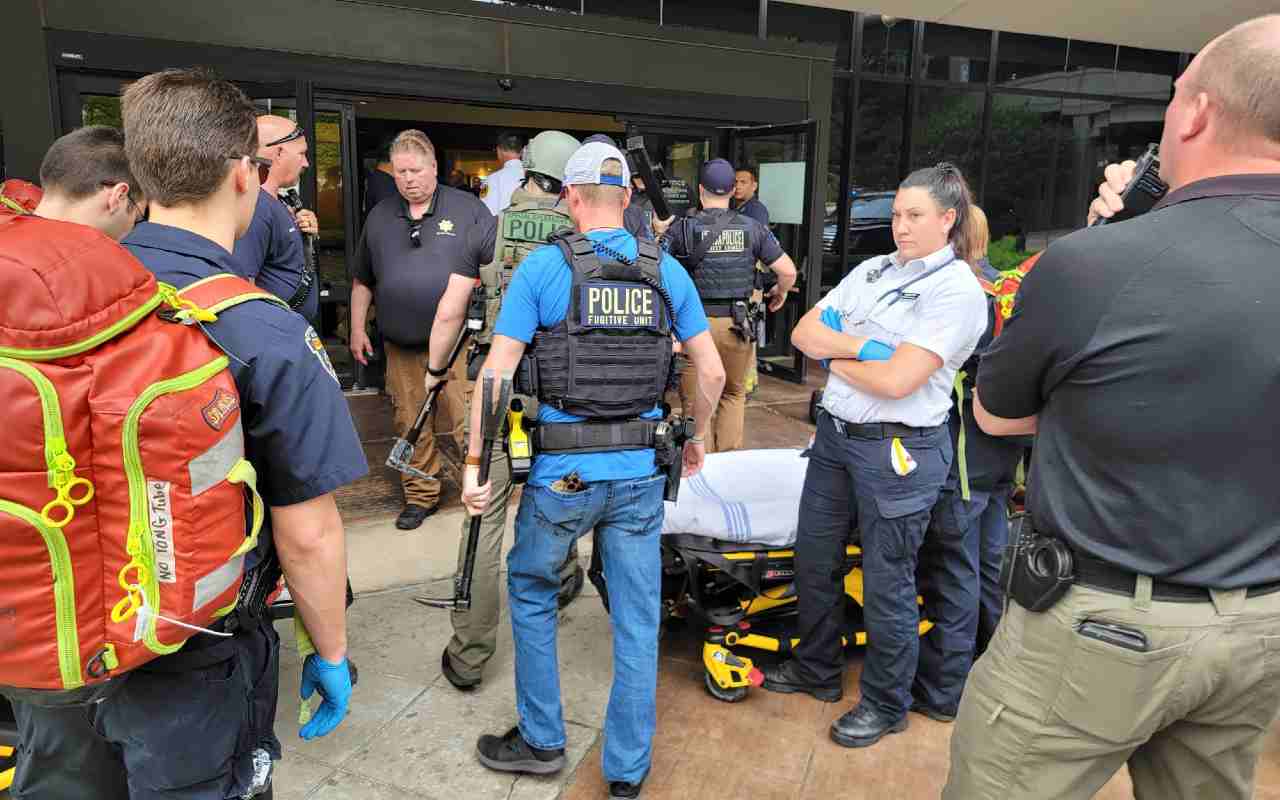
1144, 355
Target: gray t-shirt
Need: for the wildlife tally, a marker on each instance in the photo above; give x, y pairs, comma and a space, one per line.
408, 280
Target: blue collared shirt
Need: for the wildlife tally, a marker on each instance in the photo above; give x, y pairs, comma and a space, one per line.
298, 431
944, 313
272, 254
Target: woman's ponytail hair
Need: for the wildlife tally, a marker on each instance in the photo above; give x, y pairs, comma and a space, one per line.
947, 186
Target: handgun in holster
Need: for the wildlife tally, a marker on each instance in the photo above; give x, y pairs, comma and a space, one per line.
669, 438
519, 442
1037, 570
255, 590
476, 310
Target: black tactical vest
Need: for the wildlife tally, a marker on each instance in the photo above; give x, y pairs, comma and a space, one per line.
727, 269
610, 358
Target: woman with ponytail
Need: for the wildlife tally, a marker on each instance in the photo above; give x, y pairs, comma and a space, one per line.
896, 330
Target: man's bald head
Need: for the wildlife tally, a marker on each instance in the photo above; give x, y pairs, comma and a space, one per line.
289, 157
272, 127
1240, 72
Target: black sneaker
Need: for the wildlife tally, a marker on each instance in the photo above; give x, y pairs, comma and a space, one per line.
460, 683
621, 790
413, 516
511, 753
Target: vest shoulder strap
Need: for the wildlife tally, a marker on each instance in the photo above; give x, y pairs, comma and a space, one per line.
217, 293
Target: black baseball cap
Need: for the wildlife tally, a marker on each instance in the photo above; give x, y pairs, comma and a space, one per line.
717, 176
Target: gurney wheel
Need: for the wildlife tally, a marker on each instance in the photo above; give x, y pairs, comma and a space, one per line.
723, 695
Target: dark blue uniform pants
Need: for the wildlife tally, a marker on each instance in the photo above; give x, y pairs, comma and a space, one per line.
959, 576
852, 481
182, 727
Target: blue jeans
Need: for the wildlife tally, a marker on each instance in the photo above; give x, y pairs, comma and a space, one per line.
959, 576
851, 481
627, 518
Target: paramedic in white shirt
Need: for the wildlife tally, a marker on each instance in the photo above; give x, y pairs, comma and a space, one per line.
896, 330
496, 190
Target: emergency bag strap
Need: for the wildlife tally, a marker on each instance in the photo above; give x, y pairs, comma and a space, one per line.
961, 462
594, 437
13, 205
694, 259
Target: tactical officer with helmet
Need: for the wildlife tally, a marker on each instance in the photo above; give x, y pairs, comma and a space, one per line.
720, 247
596, 312
535, 214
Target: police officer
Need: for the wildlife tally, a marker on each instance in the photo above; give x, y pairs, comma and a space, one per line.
273, 253
535, 214
638, 217
969, 525
882, 451
190, 140
1142, 354
744, 196
593, 293
720, 247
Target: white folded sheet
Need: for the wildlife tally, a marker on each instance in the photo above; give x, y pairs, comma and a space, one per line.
742, 496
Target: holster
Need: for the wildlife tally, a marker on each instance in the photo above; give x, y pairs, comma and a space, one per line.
1037, 570
742, 325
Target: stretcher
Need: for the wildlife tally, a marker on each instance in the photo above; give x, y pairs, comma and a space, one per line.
728, 562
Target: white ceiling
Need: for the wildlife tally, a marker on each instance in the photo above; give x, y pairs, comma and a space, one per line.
1185, 25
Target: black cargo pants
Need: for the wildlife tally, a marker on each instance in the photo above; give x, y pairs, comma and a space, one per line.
182, 727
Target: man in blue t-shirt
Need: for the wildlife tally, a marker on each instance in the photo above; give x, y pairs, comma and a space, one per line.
617, 493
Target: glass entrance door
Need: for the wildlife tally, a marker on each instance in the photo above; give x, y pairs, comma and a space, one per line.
783, 158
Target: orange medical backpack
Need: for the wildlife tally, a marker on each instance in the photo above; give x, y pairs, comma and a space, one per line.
1004, 290
126, 503
19, 197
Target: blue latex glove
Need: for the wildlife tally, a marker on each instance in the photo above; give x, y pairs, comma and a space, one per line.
334, 684
873, 350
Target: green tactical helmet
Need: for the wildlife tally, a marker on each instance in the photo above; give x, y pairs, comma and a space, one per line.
548, 152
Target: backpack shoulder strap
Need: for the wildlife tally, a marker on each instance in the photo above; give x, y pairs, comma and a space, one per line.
217, 293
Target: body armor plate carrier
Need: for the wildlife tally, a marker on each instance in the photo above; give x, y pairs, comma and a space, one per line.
611, 357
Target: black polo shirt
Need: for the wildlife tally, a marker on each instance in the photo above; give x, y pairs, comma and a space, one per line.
408, 281
1149, 350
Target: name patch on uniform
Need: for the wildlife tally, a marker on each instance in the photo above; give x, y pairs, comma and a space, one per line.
730, 240
219, 409
525, 226
160, 515
618, 305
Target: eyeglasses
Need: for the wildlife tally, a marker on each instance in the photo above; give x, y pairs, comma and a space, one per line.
139, 213
415, 232
295, 134
258, 161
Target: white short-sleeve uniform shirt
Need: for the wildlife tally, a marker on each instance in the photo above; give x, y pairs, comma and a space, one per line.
934, 303
496, 190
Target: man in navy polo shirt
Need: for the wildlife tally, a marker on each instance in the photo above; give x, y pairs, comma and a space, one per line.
272, 253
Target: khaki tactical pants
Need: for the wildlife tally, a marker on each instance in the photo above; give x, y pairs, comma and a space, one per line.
738, 355
1049, 713
406, 371
475, 631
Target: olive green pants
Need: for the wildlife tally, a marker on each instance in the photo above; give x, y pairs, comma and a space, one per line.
1049, 713
475, 631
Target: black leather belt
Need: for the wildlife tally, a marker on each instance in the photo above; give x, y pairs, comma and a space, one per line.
877, 430
1098, 574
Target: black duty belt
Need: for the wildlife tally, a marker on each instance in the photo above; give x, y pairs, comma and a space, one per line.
1098, 574
878, 430
593, 437
724, 309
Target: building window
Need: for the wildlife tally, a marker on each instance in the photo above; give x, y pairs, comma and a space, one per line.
811, 24
643, 10
1024, 59
733, 16
959, 55
1146, 73
836, 162
948, 127
886, 45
